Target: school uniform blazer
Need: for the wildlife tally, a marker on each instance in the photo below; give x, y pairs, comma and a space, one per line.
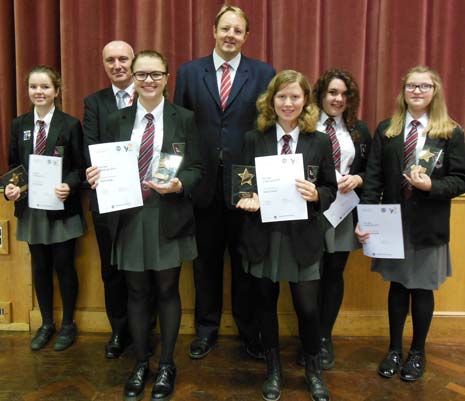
429, 223
97, 107
64, 138
361, 139
176, 211
307, 235
221, 132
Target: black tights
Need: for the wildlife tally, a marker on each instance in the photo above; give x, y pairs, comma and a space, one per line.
166, 287
305, 300
58, 257
422, 313
331, 290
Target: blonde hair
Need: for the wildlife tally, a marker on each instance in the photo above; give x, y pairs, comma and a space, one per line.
234, 9
267, 117
440, 125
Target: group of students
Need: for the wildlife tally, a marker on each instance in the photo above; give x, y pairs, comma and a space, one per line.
151, 242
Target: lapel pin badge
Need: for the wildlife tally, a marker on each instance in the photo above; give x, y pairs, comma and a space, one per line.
26, 135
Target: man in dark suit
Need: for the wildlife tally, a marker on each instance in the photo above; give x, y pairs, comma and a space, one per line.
117, 59
223, 99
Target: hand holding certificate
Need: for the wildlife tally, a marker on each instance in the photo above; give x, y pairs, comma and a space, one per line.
276, 180
118, 185
45, 175
384, 225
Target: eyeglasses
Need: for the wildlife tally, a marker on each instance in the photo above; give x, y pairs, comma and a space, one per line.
155, 75
423, 87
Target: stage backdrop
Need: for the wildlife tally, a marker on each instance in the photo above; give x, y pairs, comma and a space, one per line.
376, 40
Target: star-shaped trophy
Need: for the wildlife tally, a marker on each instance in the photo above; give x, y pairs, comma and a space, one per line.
243, 182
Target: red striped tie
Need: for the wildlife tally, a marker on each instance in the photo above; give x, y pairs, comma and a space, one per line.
146, 153
331, 131
286, 149
41, 139
225, 87
410, 146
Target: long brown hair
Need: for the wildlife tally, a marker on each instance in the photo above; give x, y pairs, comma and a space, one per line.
440, 125
265, 104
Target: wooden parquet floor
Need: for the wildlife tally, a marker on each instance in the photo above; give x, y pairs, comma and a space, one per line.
81, 373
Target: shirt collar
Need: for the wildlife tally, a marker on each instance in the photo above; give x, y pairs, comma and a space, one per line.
157, 112
218, 61
129, 90
47, 118
423, 120
294, 134
324, 117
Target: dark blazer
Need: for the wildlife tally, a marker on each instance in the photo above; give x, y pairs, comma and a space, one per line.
97, 108
221, 133
176, 212
361, 138
307, 235
65, 137
429, 222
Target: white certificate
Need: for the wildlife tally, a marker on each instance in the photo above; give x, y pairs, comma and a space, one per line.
279, 198
384, 223
119, 185
44, 176
342, 206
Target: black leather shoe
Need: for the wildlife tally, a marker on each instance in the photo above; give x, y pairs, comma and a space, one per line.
200, 347
115, 347
414, 366
255, 350
271, 389
164, 383
42, 337
134, 386
390, 365
65, 337
326, 353
314, 378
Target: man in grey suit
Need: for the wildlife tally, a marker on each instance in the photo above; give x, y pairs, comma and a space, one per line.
221, 89
117, 58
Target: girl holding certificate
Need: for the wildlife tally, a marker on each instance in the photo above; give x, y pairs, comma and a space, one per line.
291, 250
152, 241
337, 96
419, 132
51, 235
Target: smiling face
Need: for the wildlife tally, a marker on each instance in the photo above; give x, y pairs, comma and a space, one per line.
117, 59
150, 92
42, 92
418, 102
289, 102
230, 35
334, 100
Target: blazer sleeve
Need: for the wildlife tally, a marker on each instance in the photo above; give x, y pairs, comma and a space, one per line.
452, 184
374, 180
180, 89
75, 174
14, 157
90, 125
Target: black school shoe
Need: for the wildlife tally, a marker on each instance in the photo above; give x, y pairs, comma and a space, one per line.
390, 365
42, 337
66, 337
414, 366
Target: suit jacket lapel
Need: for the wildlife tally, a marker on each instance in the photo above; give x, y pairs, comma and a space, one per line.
169, 127
28, 125
128, 116
398, 144
56, 127
239, 80
109, 100
269, 139
210, 80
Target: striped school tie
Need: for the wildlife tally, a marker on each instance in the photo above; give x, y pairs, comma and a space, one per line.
410, 146
331, 131
41, 139
225, 86
286, 149
146, 153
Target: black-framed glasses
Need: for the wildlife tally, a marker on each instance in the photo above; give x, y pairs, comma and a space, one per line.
155, 75
423, 87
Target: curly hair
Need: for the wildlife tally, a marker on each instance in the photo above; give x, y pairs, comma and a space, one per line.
54, 76
267, 117
352, 95
440, 125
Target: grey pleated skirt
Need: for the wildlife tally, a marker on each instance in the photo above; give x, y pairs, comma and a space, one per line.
280, 264
141, 246
342, 238
423, 267
35, 227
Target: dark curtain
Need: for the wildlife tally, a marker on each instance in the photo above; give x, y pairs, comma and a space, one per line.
376, 40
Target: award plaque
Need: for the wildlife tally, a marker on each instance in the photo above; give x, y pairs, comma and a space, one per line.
429, 158
164, 169
17, 177
243, 182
